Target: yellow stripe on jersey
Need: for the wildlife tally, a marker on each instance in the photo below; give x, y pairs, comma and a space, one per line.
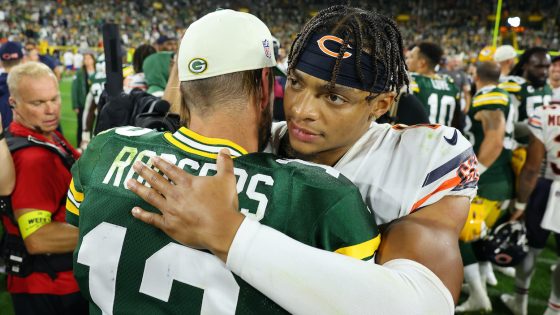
496, 98
78, 196
71, 207
211, 141
188, 149
414, 87
361, 251
510, 86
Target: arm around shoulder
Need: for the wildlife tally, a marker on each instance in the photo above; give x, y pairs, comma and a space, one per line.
306, 280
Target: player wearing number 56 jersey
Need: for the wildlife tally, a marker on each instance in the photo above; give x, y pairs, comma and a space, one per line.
436, 92
124, 265
527, 82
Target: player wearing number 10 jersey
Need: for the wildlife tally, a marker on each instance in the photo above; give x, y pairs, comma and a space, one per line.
123, 265
436, 92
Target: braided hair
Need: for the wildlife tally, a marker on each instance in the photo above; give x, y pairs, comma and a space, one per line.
364, 30
524, 59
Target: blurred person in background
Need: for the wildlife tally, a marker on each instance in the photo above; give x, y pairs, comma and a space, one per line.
78, 60
80, 88
68, 58
166, 43
527, 82
437, 93
32, 54
156, 71
137, 80
11, 54
505, 56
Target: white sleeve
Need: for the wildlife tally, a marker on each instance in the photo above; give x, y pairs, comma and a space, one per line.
306, 280
536, 125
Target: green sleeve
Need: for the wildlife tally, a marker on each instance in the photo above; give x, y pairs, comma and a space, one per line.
348, 228
81, 172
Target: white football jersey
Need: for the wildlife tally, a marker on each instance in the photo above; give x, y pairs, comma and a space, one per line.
400, 169
545, 126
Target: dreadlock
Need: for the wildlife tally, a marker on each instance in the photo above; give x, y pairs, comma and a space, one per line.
365, 30
524, 59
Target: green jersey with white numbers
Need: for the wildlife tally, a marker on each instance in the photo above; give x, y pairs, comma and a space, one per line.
526, 97
124, 266
439, 96
497, 182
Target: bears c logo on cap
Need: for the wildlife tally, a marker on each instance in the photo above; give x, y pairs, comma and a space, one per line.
321, 43
198, 65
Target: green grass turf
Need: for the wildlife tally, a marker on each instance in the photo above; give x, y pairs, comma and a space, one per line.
68, 118
538, 293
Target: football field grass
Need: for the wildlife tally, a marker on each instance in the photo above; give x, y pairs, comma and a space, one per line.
539, 289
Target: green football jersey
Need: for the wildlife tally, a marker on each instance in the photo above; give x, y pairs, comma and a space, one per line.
98, 85
124, 266
525, 96
497, 182
439, 96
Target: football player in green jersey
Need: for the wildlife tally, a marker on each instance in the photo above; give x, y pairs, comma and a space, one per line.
527, 82
436, 91
124, 265
489, 128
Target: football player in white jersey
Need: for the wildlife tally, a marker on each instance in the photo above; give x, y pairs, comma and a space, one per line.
543, 208
419, 178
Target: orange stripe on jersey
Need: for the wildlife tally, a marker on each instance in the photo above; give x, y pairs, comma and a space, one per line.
450, 183
534, 121
402, 127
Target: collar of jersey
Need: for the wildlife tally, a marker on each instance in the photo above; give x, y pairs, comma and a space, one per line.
191, 142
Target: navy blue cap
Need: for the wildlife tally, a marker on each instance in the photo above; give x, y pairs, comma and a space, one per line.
163, 38
11, 51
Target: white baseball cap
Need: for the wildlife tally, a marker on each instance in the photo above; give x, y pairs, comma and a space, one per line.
223, 42
504, 53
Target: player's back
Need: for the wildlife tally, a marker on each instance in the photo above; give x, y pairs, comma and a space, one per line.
438, 94
124, 265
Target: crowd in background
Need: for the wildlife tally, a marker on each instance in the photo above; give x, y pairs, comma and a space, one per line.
462, 26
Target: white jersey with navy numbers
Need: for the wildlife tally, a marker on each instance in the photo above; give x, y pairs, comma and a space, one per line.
400, 169
545, 126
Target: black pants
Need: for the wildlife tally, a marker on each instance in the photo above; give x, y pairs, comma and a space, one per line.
48, 304
536, 235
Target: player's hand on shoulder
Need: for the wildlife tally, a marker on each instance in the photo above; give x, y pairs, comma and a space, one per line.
198, 211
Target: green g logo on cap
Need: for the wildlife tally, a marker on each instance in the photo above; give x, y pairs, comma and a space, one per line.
198, 65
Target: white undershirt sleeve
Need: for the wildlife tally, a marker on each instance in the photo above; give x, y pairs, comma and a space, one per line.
306, 280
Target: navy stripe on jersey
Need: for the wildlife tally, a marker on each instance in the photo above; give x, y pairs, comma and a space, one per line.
447, 167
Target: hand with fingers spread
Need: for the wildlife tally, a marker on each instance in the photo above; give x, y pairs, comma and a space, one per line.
192, 207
